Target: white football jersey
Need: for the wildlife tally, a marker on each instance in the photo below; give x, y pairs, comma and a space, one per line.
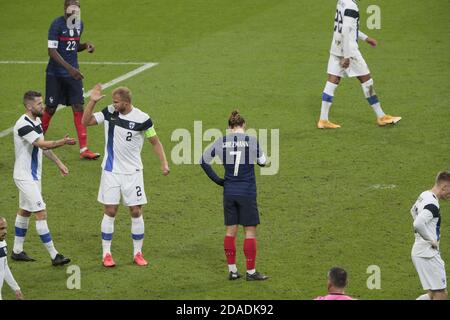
3, 246
427, 207
28, 164
346, 25
124, 138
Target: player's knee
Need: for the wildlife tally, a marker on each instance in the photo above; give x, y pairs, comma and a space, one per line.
41, 215
77, 108
334, 79
24, 213
135, 211
250, 232
365, 78
232, 231
110, 212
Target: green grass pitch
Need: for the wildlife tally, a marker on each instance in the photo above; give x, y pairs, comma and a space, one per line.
268, 58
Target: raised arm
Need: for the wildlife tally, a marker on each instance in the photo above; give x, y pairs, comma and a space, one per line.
88, 116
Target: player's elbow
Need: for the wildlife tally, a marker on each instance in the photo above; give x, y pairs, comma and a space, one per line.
155, 141
43, 147
85, 122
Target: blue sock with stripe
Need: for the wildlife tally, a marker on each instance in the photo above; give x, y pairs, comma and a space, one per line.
21, 228
46, 237
107, 233
327, 99
371, 96
137, 233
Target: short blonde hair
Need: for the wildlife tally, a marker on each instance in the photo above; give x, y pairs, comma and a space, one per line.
124, 93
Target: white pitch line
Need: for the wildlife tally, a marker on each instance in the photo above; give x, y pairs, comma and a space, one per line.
128, 75
86, 62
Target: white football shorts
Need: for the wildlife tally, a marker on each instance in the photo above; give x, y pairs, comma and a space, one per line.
431, 272
30, 197
358, 66
130, 187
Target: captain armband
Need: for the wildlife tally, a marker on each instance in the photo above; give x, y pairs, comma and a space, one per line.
150, 132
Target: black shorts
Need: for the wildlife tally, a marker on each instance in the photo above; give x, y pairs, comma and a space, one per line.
63, 90
240, 210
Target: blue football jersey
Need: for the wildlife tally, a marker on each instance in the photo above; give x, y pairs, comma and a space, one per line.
66, 41
238, 153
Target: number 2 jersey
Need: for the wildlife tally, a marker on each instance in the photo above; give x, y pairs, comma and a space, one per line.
346, 30
124, 138
427, 218
66, 41
238, 152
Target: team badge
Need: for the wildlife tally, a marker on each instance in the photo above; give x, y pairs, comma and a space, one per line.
131, 125
71, 32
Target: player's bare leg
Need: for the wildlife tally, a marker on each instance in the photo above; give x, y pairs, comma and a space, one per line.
229, 245
85, 153
438, 294
327, 100
107, 228
49, 111
21, 228
137, 233
369, 92
250, 254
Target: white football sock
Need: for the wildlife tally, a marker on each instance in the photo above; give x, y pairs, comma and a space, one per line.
107, 233
232, 268
20, 232
327, 99
137, 233
46, 237
369, 93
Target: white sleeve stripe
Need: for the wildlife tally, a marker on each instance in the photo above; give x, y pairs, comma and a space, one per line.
99, 117
52, 44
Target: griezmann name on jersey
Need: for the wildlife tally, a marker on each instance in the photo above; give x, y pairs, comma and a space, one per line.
238, 152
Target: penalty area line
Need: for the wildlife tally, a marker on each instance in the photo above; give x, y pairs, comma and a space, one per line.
123, 77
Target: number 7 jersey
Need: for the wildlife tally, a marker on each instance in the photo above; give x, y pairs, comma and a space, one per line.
238, 153
124, 138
